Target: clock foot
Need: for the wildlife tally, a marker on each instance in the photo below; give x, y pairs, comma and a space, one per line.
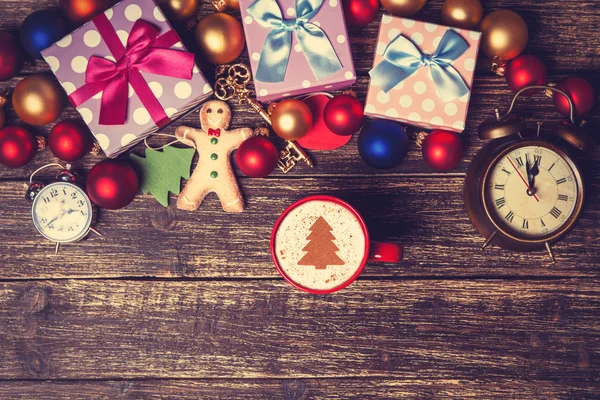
96, 232
550, 253
489, 239
57, 248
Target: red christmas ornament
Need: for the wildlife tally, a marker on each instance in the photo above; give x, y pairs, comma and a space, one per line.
68, 141
319, 136
442, 150
525, 70
257, 157
11, 56
80, 11
360, 12
17, 146
582, 94
343, 114
112, 184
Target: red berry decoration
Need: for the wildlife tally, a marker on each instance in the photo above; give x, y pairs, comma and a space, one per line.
257, 157
442, 150
582, 94
68, 141
17, 146
12, 56
525, 70
343, 115
360, 12
112, 184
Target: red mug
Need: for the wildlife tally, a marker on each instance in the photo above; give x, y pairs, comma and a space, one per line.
303, 237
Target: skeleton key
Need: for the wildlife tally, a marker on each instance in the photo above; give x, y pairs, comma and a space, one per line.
232, 82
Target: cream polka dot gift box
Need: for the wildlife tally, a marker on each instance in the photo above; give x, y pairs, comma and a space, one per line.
127, 73
422, 74
297, 47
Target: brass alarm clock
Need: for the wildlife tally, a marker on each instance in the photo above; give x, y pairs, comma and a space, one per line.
524, 192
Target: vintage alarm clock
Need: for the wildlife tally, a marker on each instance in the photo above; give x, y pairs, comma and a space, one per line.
61, 211
524, 192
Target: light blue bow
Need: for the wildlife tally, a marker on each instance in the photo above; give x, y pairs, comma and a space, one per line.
278, 44
402, 58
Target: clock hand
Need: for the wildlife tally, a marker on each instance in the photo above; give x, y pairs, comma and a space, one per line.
528, 169
69, 211
523, 179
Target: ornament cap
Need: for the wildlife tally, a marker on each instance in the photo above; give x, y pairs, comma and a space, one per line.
495, 128
3, 97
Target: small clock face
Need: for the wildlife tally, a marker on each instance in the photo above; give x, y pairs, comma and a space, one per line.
532, 192
62, 212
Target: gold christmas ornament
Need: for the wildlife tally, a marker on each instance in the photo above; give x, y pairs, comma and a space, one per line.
220, 37
291, 119
504, 34
464, 14
403, 8
178, 10
38, 100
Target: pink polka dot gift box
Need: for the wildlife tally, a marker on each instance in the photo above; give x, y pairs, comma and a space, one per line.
422, 74
128, 74
297, 46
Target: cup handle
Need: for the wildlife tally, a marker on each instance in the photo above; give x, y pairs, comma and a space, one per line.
385, 252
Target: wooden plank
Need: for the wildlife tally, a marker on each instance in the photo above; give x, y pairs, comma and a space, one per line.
407, 329
563, 33
296, 389
489, 92
425, 214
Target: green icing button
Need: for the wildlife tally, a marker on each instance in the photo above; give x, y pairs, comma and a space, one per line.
214, 174
214, 156
214, 140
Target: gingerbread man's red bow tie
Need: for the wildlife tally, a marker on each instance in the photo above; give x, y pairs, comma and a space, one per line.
214, 132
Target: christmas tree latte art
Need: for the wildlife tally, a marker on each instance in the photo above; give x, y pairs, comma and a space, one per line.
320, 245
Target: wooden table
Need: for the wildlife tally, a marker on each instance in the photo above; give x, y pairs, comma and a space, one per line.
172, 304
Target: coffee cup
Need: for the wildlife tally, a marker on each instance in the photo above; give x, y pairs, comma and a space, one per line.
320, 244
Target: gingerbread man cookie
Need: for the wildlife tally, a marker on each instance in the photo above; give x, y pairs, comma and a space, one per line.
214, 144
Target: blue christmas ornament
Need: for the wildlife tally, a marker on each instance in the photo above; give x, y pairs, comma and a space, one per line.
42, 29
383, 144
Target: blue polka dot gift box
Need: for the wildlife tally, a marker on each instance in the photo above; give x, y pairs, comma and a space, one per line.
297, 47
422, 74
128, 74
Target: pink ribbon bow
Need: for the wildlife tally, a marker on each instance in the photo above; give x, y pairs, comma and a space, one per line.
214, 132
145, 51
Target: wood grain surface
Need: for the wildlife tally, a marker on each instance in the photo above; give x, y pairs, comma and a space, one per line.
184, 305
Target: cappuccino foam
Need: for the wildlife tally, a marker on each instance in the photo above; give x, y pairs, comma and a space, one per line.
333, 253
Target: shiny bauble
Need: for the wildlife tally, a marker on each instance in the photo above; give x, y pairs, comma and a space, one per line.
78, 12
11, 56
464, 14
360, 13
504, 34
38, 100
42, 29
403, 8
383, 144
257, 157
525, 70
582, 94
232, 4
220, 37
69, 140
291, 119
319, 136
442, 150
17, 146
112, 184
178, 10
344, 114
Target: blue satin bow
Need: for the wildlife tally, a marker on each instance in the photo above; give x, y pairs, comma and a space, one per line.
402, 58
278, 44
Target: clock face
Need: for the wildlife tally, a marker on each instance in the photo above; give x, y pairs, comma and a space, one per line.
62, 212
531, 192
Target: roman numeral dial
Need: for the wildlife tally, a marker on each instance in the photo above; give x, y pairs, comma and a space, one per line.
530, 191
